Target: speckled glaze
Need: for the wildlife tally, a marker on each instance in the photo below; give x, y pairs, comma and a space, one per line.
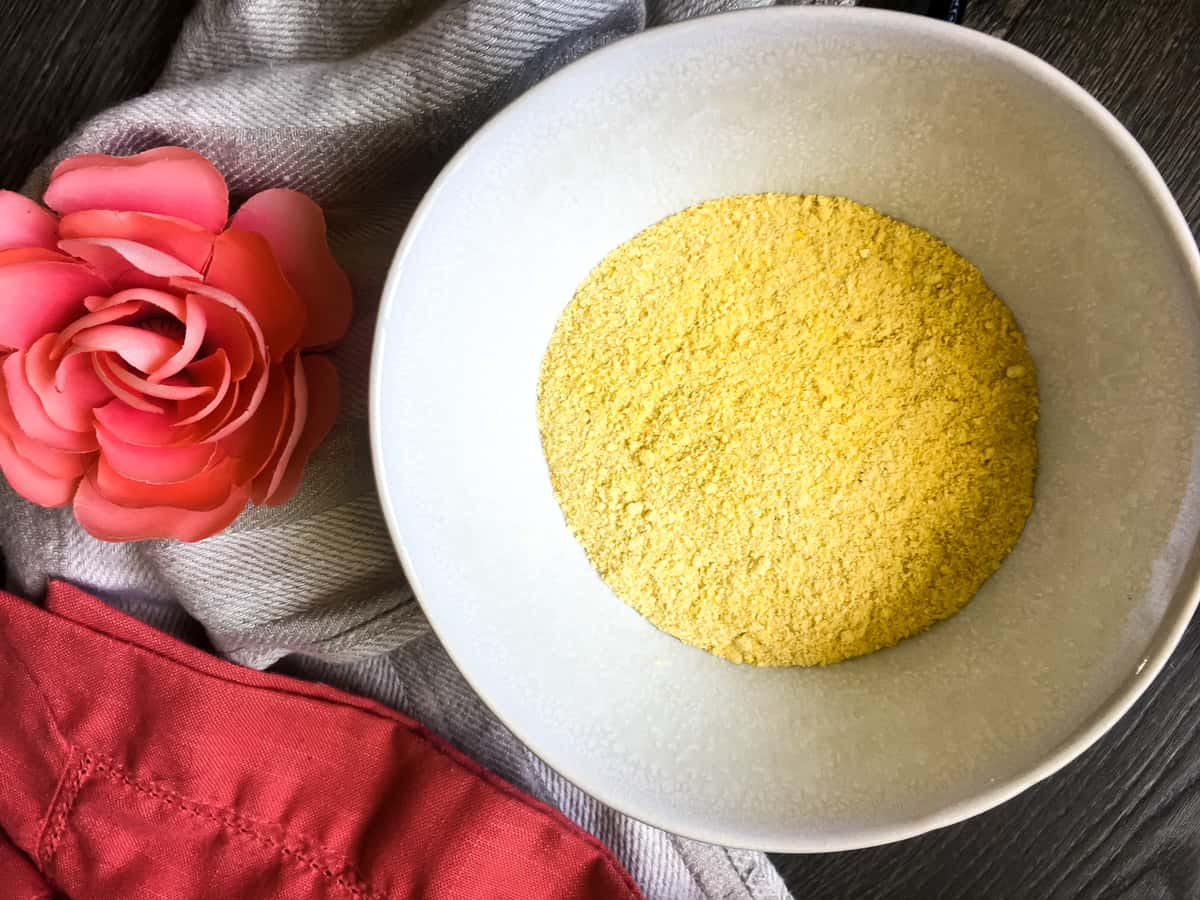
980, 143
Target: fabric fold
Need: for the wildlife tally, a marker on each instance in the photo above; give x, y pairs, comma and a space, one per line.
144, 767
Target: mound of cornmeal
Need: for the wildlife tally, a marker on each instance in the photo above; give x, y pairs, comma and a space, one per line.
789, 429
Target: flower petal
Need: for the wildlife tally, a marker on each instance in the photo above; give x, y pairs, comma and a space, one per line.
195, 324
30, 481
228, 330
213, 421
31, 416
102, 316
140, 347
251, 391
84, 160
177, 238
268, 480
24, 223
171, 304
212, 292
254, 444
171, 389
243, 265
322, 389
178, 183
49, 460
214, 372
294, 226
68, 390
117, 258
108, 521
32, 254
104, 365
141, 428
42, 295
206, 491
155, 465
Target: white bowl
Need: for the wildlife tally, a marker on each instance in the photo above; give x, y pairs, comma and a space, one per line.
982, 144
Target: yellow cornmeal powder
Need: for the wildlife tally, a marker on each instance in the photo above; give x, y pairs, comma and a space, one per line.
789, 430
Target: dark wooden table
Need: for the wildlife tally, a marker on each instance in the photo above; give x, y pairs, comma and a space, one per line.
1123, 821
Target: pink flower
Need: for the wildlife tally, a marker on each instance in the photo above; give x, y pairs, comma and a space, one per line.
154, 363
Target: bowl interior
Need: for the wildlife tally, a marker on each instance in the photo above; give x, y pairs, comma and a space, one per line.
954, 132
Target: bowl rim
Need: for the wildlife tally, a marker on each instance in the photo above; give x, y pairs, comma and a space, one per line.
1182, 605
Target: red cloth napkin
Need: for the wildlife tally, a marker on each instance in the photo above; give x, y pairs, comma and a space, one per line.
136, 766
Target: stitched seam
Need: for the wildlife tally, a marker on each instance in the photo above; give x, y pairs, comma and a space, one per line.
460, 760
57, 824
356, 887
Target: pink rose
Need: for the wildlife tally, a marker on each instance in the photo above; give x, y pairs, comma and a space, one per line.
154, 363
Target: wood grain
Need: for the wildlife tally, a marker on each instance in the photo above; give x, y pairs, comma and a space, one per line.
62, 61
996, 17
1123, 821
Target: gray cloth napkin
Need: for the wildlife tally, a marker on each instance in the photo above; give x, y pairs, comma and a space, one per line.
357, 104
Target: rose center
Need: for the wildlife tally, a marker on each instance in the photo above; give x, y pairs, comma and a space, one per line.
165, 326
